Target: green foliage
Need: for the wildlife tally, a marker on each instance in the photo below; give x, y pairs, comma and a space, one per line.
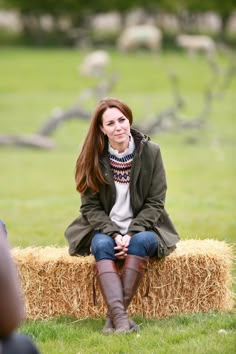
70, 6
46, 6
222, 7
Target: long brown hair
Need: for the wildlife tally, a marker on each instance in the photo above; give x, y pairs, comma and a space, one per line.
88, 173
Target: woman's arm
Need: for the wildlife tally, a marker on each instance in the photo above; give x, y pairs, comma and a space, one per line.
154, 203
93, 210
11, 304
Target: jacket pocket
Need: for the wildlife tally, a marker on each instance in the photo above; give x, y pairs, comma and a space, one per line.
167, 241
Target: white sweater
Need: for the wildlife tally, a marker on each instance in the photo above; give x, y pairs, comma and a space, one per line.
122, 213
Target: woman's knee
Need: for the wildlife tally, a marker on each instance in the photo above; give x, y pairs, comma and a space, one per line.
143, 243
101, 241
102, 247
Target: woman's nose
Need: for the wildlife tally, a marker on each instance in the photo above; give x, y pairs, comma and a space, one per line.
118, 126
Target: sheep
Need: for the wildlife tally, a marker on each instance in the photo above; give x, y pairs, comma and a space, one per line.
95, 63
134, 37
196, 43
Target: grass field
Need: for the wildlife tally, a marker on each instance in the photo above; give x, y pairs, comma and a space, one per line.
38, 197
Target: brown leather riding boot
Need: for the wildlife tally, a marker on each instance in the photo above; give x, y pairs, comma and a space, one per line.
109, 327
132, 273
111, 288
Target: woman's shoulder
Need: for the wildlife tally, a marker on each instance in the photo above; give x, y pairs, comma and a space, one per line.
147, 145
151, 147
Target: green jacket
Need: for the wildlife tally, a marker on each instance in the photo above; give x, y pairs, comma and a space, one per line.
147, 193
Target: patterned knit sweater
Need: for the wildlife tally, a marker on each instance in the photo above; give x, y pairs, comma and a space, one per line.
121, 213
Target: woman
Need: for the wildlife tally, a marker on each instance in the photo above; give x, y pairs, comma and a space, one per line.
121, 179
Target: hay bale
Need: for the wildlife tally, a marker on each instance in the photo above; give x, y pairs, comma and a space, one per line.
195, 277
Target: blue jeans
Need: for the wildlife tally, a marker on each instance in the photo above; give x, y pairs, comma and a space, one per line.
17, 344
142, 244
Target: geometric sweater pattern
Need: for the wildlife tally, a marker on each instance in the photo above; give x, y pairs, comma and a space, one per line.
121, 167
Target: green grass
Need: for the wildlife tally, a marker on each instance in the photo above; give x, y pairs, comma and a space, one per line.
212, 333
38, 197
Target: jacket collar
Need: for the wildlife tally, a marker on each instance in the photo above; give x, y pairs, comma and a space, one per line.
139, 139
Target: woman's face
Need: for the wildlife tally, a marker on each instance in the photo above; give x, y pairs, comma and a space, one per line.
117, 128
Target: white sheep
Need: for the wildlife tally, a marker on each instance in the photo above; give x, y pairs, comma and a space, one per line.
95, 63
196, 43
134, 37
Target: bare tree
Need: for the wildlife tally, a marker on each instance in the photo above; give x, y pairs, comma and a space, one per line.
170, 119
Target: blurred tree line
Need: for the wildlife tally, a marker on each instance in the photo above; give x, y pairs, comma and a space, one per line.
70, 7
79, 10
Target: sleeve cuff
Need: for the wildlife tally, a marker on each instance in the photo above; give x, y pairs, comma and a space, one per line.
114, 235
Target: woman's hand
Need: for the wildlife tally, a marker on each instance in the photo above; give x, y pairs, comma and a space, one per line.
120, 247
126, 240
